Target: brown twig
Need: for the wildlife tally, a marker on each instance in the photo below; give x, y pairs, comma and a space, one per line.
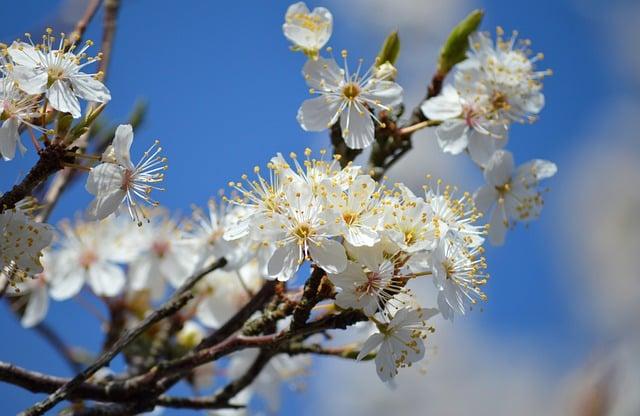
83, 23
309, 298
50, 161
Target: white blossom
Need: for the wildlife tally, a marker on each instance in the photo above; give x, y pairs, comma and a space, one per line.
458, 274
466, 124
308, 31
511, 194
165, 256
89, 252
360, 213
57, 72
505, 73
118, 179
400, 342
16, 108
225, 292
350, 97
21, 243
304, 230
369, 282
206, 231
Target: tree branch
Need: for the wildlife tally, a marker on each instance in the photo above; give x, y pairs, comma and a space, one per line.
50, 161
171, 306
309, 298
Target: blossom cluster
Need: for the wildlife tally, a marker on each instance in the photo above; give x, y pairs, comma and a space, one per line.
370, 240
494, 87
37, 77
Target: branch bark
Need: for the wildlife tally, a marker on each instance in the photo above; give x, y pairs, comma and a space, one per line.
171, 306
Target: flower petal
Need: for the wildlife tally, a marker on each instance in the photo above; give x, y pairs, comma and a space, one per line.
443, 107
122, 145
62, 99
317, 114
357, 127
106, 279
499, 168
370, 344
453, 136
498, 225
90, 89
329, 255
37, 307
284, 262
323, 74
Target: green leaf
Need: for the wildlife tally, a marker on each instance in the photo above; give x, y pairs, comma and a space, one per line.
455, 48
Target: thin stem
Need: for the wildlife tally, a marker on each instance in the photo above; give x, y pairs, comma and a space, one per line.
87, 17
418, 126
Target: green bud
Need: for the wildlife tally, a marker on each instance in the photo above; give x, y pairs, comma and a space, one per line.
83, 126
64, 123
455, 48
390, 49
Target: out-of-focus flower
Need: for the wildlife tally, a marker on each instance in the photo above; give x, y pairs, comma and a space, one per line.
225, 292
207, 230
280, 369
164, 256
400, 342
511, 194
90, 252
21, 243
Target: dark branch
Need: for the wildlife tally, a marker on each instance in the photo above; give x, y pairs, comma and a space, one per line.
50, 161
171, 306
309, 299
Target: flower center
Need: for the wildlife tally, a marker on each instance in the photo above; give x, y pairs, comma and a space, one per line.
449, 269
351, 91
215, 236
504, 189
54, 73
409, 237
127, 180
350, 217
303, 231
312, 23
499, 101
160, 248
373, 281
87, 258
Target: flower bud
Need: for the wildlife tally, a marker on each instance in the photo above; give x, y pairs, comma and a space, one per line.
386, 71
455, 48
390, 49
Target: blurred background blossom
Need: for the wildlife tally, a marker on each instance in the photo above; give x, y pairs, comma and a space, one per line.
559, 335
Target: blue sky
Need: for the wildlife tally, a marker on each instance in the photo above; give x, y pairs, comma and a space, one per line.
223, 91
